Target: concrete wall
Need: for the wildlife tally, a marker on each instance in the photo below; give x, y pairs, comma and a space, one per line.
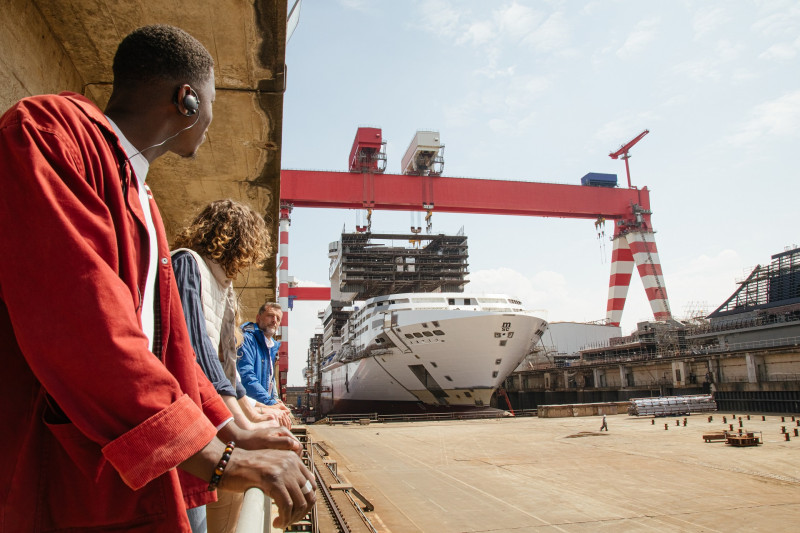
47, 44
33, 61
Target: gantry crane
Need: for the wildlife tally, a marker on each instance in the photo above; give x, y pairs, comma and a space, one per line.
367, 188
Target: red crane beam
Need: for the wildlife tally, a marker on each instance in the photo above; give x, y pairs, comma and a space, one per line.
346, 190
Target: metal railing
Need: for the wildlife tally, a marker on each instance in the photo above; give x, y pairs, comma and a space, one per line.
459, 415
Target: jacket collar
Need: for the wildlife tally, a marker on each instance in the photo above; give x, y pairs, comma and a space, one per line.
252, 326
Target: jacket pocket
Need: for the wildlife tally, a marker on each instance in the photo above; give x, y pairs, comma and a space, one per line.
85, 454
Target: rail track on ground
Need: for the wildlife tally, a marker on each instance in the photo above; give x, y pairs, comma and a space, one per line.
340, 508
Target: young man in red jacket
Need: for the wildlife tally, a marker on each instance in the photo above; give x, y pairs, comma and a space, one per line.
104, 399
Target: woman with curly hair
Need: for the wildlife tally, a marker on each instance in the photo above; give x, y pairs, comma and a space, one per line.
225, 239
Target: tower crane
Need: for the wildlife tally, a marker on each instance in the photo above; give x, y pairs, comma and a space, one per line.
622, 153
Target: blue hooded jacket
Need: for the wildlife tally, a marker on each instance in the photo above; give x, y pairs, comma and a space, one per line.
256, 363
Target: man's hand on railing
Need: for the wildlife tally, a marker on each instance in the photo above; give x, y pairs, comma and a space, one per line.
280, 474
274, 438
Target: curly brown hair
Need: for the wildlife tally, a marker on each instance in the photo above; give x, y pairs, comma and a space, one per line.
230, 233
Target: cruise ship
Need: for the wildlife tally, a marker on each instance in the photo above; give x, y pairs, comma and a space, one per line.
400, 333
439, 349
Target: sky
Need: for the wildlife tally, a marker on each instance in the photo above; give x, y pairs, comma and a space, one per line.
543, 91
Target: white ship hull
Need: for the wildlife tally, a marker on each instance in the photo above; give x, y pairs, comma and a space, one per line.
450, 356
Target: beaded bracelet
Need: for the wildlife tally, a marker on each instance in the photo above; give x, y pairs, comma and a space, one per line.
223, 462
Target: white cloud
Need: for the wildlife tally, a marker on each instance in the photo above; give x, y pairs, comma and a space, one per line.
552, 34
440, 18
642, 35
776, 118
712, 276
517, 21
781, 51
492, 72
478, 33
699, 69
546, 292
708, 19
783, 23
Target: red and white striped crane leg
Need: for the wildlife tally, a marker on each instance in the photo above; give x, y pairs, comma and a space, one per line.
283, 297
620, 280
645, 255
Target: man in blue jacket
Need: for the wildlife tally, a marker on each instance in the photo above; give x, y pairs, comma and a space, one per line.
257, 356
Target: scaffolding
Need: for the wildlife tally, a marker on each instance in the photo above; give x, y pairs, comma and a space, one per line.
767, 286
370, 264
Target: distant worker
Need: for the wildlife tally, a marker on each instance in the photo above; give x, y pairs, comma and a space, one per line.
257, 356
605, 424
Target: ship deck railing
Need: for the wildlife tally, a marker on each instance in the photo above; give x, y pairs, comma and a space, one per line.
413, 417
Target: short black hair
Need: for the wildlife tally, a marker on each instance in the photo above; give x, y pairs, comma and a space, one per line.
160, 52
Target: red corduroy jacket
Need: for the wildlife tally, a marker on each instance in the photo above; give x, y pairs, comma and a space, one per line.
93, 423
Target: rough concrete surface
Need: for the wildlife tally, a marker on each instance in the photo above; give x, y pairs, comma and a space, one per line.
562, 474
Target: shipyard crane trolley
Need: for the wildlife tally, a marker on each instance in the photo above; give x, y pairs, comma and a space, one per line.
422, 187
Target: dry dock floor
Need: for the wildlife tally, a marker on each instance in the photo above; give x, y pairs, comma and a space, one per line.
562, 474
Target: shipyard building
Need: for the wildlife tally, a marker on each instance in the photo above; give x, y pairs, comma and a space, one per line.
746, 353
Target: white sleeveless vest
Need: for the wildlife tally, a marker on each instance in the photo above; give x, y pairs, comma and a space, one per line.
219, 309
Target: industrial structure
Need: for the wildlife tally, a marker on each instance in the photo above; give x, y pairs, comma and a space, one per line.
373, 264
745, 353
422, 188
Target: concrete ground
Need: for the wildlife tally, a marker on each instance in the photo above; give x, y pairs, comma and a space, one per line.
561, 474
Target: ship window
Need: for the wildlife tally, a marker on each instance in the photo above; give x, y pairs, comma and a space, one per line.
494, 374
503, 342
498, 361
434, 365
418, 334
438, 332
427, 333
435, 324
448, 378
467, 394
424, 324
409, 336
451, 301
